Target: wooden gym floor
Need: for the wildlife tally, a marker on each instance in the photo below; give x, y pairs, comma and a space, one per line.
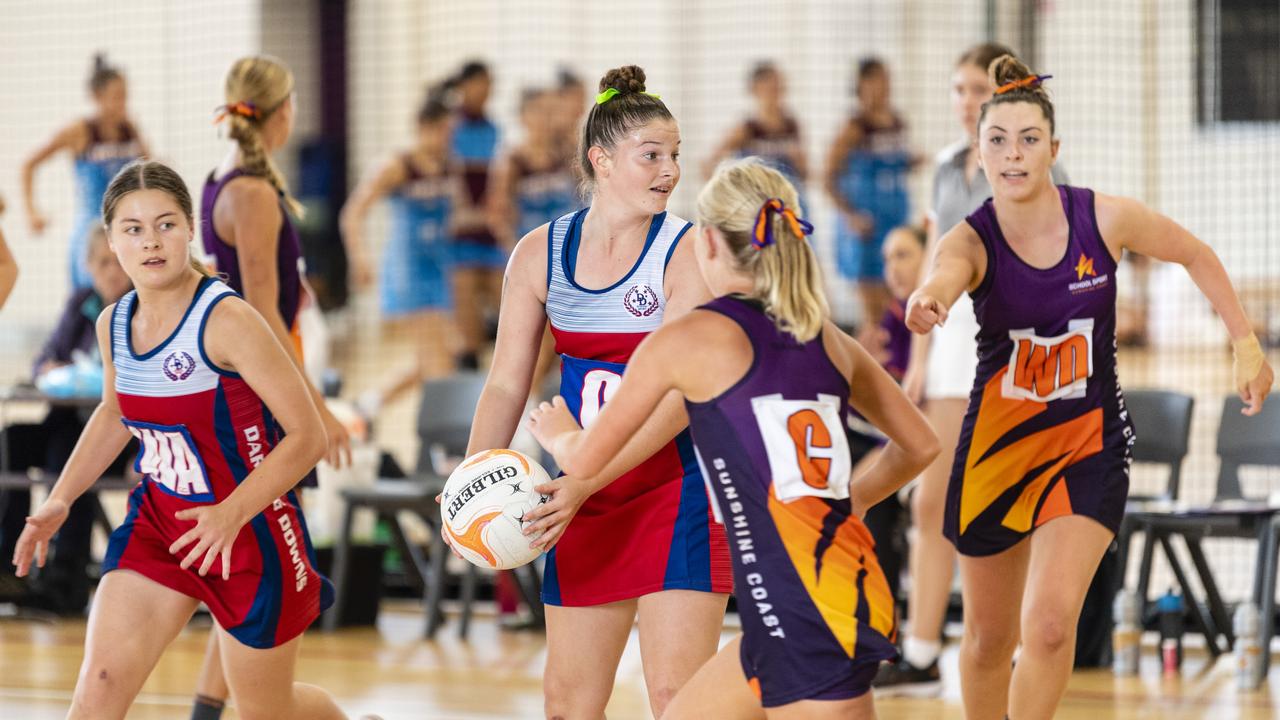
393, 672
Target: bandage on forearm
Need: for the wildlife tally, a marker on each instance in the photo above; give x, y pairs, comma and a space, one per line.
1248, 359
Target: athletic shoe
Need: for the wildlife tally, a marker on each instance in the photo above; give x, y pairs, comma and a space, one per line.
902, 679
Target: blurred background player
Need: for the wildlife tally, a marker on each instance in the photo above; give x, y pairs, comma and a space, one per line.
246, 229
903, 257
570, 107
866, 177
533, 181
478, 257
771, 133
889, 342
421, 189
100, 145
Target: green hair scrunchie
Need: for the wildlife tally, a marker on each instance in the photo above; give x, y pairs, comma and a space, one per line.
611, 93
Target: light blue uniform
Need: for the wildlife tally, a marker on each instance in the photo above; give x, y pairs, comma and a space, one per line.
874, 181
94, 169
416, 259
542, 195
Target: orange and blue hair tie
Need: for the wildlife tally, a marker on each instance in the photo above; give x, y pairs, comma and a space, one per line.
762, 234
244, 109
1027, 81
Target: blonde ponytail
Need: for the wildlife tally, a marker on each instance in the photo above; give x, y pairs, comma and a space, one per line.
768, 241
256, 87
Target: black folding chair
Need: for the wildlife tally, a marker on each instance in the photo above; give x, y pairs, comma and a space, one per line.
1241, 441
444, 428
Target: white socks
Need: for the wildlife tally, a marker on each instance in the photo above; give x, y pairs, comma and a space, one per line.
920, 653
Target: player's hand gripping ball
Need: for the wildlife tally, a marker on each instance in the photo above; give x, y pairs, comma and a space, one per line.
484, 504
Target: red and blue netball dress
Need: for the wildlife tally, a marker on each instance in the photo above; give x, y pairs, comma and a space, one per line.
1047, 433
817, 613
650, 529
202, 429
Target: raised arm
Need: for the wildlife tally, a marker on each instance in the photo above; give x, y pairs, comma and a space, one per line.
378, 184
915, 377
238, 339
72, 137
1128, 224
685, 290
650, 381
101, 442
958, 264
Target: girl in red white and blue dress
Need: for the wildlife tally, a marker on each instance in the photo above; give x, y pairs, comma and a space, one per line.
226, 429
638, 539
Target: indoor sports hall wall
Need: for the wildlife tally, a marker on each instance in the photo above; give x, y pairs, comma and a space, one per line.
696, 55
1132, 81
173, 55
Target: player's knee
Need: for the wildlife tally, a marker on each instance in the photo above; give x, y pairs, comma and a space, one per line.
565, 697
557, 695
1048, 633
990, 646
660, 697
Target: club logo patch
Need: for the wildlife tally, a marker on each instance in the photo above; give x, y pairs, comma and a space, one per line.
1084, 266
1086, 277
179, 366
641, 301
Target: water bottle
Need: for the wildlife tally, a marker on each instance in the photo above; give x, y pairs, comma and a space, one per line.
1127, 636
1248, 647
1169, 608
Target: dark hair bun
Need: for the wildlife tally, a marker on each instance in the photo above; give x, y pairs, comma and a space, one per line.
626, 79
1006, 69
